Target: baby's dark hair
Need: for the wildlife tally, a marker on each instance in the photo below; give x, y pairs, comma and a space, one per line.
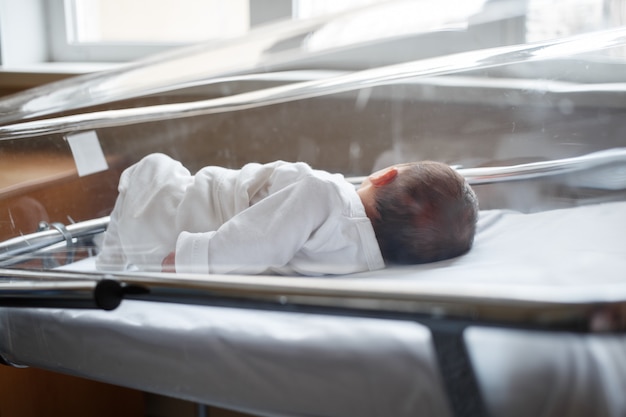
427, 213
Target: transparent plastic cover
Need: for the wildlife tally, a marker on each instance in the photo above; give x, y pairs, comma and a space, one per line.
526, 99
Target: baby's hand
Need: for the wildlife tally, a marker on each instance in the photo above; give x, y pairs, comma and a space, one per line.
169, 263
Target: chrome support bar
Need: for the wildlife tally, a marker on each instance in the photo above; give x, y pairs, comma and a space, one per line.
578, 306
104, 294
488, 175
14, 247
546, 168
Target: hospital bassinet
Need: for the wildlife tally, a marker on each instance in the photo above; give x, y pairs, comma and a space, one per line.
530, 322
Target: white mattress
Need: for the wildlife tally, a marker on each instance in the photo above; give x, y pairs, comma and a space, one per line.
582, 245
286, 364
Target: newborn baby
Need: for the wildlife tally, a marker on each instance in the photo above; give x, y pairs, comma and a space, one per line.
285, 218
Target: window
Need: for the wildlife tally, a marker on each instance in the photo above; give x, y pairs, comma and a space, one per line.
154, 21
121, 30
36, 31
39, 31
66, 31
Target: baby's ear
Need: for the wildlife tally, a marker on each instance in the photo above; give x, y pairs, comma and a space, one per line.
384, 177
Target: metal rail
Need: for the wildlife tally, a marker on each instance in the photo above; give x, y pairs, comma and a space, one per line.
540, 306
33, 242
98, 293
487, 175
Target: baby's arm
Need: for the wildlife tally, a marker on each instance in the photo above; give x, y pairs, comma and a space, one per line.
266, 235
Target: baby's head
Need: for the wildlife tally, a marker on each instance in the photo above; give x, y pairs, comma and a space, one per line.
421, 212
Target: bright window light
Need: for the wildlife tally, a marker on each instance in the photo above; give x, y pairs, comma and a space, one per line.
155, 21
311, 8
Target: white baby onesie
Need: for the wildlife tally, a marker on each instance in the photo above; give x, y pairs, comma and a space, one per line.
281, 217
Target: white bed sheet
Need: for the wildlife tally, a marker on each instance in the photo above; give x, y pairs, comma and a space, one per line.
287, 364
581, 245
533, 373
269, 363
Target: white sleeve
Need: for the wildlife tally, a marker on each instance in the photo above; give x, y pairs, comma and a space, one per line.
267, 234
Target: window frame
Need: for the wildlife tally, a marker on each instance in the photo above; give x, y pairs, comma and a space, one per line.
62, 50
34, 32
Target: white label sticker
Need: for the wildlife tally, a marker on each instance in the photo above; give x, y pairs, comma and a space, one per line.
87, 153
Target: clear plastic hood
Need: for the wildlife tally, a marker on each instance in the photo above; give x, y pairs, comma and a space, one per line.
526, 98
